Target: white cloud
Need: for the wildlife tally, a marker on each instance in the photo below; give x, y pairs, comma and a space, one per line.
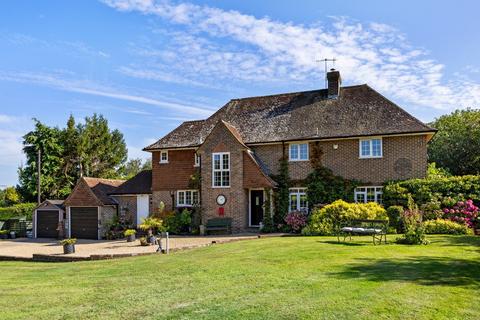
264, 50
58, 81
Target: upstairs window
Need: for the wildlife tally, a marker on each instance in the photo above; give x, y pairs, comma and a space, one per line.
368, 194
298, 152
197, 160
163, 156
221, 169
371, 148
298, 200
187, 198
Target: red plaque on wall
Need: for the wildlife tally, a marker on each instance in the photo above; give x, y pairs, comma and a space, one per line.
221, 211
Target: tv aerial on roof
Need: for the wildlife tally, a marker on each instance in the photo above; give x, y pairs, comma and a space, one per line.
326, 61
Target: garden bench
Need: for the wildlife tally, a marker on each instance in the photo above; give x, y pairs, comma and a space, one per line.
219, 224
375, 228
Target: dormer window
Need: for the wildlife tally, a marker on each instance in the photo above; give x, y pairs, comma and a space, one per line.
371, 148
298, 152
163, 156
197, 160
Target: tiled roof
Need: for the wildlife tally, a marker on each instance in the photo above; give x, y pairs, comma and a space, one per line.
103, 187
139, 184
358, 111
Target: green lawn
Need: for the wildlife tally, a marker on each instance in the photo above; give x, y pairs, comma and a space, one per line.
271, 278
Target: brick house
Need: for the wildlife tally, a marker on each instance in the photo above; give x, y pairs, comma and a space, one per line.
236, 151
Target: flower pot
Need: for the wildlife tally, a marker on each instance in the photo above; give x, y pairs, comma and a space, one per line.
152, 240
131, 238
12, 235
68, 248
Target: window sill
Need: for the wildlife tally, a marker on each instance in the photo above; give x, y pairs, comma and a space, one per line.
221, 187
298, 160
377, 157
163, 162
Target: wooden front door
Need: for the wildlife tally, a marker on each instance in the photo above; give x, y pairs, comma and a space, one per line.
256, 207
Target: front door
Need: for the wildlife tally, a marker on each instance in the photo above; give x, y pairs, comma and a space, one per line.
256, 207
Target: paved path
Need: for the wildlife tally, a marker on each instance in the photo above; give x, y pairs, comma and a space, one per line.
25, 248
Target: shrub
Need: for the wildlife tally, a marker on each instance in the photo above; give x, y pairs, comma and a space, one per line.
394, 214
3, 231
296, 220
129, 232
431, 210
464, 212
151, 225
18, 210
325, 187
446, 190
177, 222
65, 242
444, 226
414, 228
323, 220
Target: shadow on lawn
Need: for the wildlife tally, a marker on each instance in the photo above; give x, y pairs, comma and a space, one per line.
344, 243
419, 270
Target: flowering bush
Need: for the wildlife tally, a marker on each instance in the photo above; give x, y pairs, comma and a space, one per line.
414, 228
464, 212
296, 220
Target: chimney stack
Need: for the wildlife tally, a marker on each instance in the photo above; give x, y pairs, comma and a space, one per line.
334, 82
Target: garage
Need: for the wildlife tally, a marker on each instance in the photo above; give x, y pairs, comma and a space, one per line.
47, 217
84, 222
47, 223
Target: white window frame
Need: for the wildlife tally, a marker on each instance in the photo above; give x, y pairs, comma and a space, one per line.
370, 144
162, 153
298, 192
297, 146
184, 203
196, 160
221, 154
363, 190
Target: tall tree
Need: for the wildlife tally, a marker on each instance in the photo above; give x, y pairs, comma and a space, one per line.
456, 146
133, 167
48, 141
102, 152
79, 149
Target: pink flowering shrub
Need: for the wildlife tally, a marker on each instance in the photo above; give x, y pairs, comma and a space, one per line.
296, 220
464, 212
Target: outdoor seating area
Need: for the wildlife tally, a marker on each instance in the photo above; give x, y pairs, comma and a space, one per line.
364, 227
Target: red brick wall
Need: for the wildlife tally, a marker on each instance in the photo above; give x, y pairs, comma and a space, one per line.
236, 207
174, 175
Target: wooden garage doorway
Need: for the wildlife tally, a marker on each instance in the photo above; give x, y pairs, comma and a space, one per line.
84, 222
47, 223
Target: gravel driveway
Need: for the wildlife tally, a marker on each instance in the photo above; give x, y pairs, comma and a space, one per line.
25, 248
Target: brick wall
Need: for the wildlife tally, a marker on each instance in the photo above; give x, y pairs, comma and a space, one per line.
127, 208
174, 175
157, 197
107, 214
222, 140
404, 157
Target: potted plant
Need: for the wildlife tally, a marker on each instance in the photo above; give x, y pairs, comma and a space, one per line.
130, 234
143, 241
3, 234
151, 225
68, 245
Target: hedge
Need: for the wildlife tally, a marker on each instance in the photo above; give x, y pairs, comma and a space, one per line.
447, 190
443, 226
18, 210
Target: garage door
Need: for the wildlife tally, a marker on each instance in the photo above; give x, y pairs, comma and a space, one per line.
47, 223
84, 222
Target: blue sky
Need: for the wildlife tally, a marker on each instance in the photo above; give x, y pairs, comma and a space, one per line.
149, 65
